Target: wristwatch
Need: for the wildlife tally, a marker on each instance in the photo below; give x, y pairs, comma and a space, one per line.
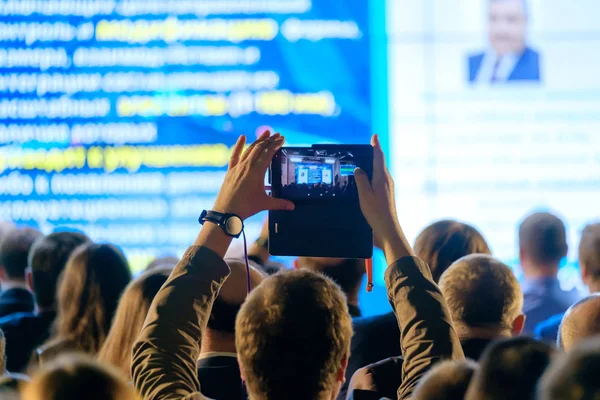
231, 224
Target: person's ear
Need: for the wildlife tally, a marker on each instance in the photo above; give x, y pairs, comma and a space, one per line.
3, 275
566, 252
29, 279
341, 374
518, 325
297, 263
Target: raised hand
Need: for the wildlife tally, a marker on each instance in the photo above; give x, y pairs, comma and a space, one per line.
378, 204
243, 191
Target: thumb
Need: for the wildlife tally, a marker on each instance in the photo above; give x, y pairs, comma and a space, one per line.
363, 185
274, 204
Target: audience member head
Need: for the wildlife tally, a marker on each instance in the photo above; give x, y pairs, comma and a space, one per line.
162, 263
443, 242
581, 321
573, 375
88, 294
220, 330
129, 318
293, 337
14, 252
75, 377
446, 380
484, 297
589, 256
47, 259
542, 245
347, 273
510, 369
5, 227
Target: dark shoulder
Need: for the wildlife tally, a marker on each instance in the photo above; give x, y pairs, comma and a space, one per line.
16, 319
375, 322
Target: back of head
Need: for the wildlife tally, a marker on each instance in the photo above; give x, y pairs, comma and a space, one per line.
129, 318
446, 380
482, 292
88, 294
443, 242
573, 375
510, 369
542, 240
347, 273
14, 251
581, 321
229, 301
589, 252
47, 259
293, 336
78, 377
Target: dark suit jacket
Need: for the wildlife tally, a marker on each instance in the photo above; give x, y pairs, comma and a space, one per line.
221, 379
548, 329
379, 380
375, 338
16, 300
527, 67
166, 352
24, 332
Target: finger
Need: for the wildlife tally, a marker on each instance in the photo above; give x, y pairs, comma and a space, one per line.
268, 153
363, 185
263, 136
274, 204
261, 147
237, 151
379, 167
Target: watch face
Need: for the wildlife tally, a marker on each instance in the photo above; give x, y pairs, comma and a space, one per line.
234, 225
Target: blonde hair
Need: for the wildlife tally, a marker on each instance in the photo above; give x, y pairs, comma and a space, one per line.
74, 377
129, 319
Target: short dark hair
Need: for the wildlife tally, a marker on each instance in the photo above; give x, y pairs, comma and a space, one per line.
47, 259
292, 334
589, 249
482, 292
574, 375
543, 236
446, 380
347, 273
14, 251
510, 369
443, 242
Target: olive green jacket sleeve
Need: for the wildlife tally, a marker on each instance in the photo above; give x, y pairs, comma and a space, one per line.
427, 333
164, 356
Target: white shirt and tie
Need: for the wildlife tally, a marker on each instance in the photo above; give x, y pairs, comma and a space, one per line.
496, 69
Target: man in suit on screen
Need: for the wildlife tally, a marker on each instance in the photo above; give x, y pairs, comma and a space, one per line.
508, 58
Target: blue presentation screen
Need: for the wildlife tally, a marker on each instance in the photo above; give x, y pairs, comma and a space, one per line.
118, 117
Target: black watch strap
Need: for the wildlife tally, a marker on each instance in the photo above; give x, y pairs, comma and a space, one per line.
222, 220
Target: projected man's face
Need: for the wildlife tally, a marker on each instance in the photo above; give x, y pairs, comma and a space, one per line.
507, 25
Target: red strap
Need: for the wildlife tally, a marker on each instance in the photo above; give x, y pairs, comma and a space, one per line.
369, 268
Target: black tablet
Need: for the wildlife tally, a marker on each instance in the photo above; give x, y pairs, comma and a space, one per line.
327, 221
